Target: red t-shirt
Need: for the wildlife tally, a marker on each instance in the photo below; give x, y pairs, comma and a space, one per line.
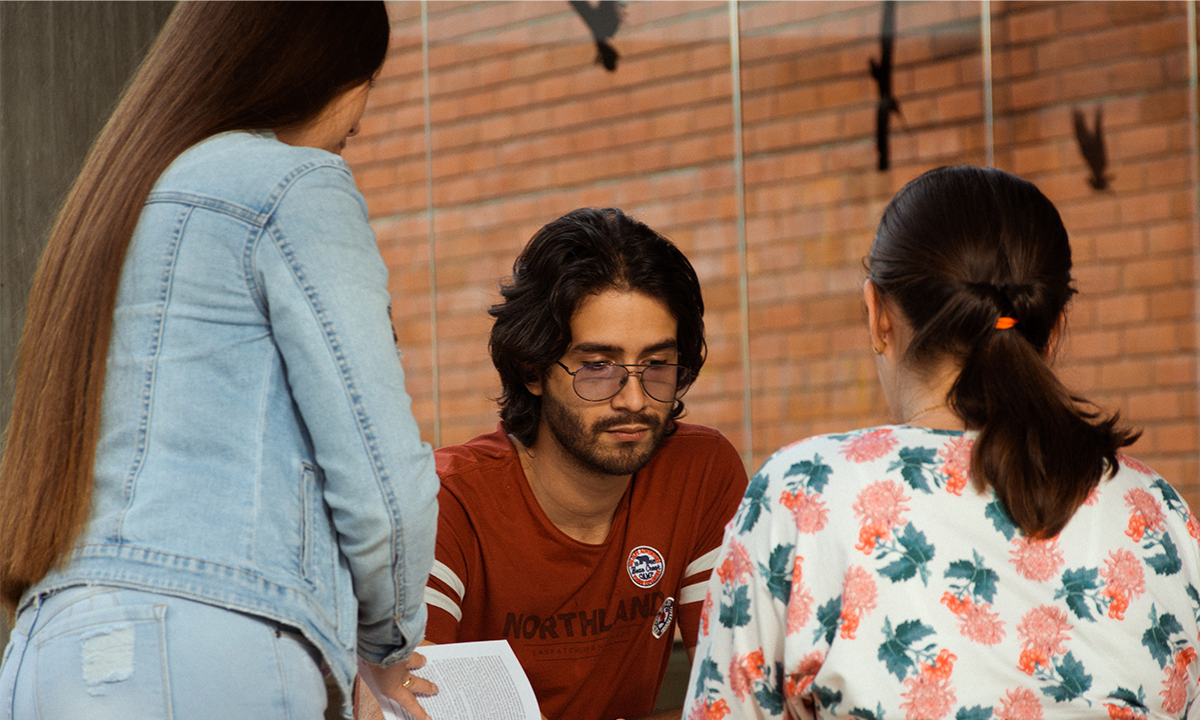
592, 625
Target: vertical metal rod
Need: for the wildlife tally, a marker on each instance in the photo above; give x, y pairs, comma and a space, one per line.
429, 215
735, 63
1194, 142
985, 28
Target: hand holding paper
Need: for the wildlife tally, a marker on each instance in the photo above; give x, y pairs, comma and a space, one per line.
475, 680
399, 685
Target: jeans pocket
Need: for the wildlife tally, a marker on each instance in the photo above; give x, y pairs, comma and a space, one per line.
108, 662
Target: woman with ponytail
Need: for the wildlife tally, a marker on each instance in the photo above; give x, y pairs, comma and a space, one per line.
213, 489
993, 554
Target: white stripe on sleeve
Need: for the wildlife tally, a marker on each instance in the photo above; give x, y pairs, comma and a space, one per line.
442, 572
438, 599
702, 563
692, 593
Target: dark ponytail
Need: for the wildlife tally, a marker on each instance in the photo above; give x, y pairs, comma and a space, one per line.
958, 249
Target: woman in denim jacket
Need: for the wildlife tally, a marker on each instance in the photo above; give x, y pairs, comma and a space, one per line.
214, 484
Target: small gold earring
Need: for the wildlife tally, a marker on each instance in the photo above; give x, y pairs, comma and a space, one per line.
879, 351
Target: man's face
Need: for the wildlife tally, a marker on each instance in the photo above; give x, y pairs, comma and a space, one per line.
617, 436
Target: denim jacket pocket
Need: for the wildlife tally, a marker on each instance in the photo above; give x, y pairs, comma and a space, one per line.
316, 547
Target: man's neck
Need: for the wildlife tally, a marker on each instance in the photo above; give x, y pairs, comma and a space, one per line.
579, 501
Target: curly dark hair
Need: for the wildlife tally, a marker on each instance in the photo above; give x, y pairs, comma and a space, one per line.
582, 253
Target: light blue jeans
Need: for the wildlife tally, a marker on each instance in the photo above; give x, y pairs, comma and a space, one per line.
107, 653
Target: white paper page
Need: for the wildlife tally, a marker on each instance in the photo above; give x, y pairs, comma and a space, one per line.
475, 680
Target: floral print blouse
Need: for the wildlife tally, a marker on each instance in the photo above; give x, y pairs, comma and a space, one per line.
864, 576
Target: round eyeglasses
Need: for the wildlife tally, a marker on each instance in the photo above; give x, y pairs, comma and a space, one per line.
664, 382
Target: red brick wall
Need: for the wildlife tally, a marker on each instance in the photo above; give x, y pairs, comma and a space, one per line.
525, 127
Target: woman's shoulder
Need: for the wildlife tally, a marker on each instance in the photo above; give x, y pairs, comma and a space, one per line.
251, 169
886, 444
1150, 501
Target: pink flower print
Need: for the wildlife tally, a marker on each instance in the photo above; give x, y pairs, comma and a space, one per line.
800, 602
805, 674
956, 462
1093, 496
1037, 560
708, 710
879, 507
743, 671
809, 510
1193, 525
859, 595
705, 610
930, 695
737, 565
1042, 630
975, 620
1124, 580
1147, 513
869, 446
1019, 704
1134, 464
1174, 692
981, 625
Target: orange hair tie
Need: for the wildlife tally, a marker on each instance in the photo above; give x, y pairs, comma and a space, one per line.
1005, 323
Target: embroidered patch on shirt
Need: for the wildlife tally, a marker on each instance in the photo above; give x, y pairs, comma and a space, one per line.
645, 566
662, 620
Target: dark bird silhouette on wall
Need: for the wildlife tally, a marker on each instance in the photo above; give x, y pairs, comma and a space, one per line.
602, 19
882, 72
1091, 145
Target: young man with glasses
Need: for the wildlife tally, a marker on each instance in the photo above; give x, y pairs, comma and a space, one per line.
585, 528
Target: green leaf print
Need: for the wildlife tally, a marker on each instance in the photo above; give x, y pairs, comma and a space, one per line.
708, 671
1001, 520
1078, 587
816, 471
1129, 697
828, 615
827, 698
1074, 682
754, 502
911, 631
915, 464
770, 699
737, 614
1167, 562
982, 581
779, 574
1170, 498
1157, 638
897, 648
915, 557
976, 713
867, 714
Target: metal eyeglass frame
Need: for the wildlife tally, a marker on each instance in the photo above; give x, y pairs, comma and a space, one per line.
682, 383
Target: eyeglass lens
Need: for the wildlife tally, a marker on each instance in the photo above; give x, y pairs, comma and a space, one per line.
602, 381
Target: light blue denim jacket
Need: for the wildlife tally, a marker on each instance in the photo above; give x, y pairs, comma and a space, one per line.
257, 446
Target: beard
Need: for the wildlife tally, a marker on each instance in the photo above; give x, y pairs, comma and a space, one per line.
583, 443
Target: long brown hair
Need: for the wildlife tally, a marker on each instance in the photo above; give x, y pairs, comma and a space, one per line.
957, 249
214, 67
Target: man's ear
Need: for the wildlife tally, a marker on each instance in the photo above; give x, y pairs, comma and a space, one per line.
534, 385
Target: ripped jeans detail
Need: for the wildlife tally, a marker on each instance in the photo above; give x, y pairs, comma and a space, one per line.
106, 653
